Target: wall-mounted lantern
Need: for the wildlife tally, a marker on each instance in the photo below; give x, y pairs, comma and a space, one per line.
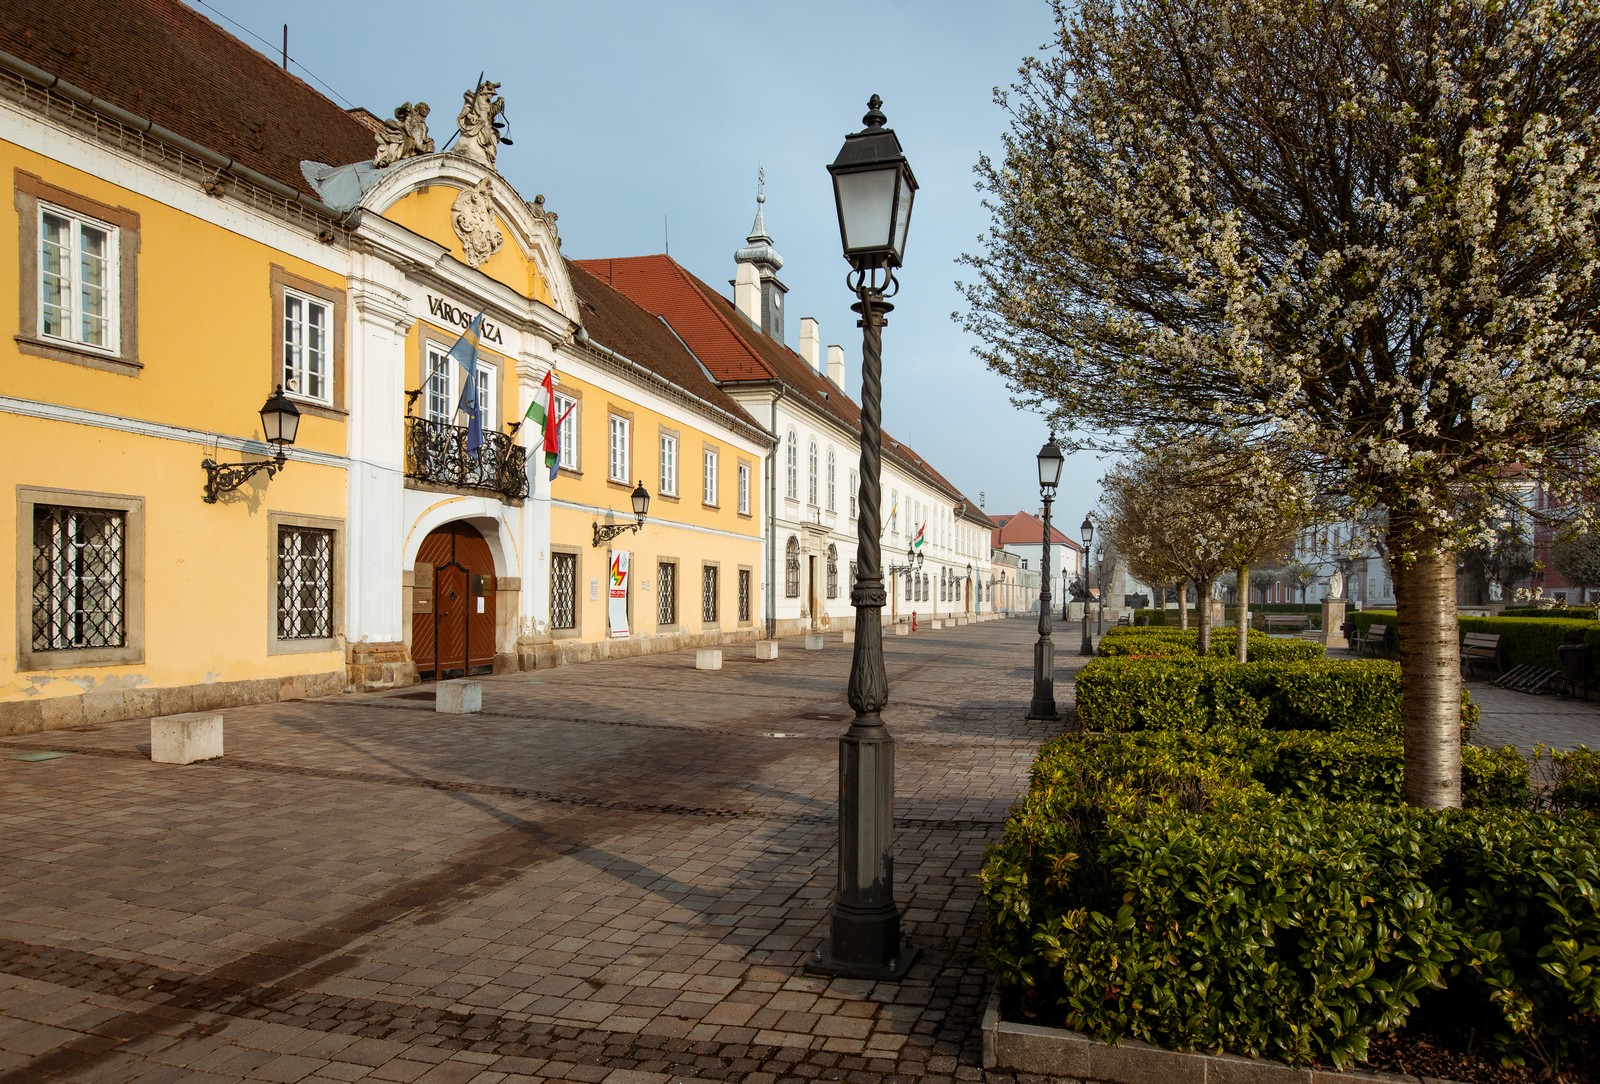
641, 505
280, 424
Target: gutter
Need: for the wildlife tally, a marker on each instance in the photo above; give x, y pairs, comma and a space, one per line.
144, 125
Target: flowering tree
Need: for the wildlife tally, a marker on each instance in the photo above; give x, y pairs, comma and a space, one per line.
1368, 230
1577, 557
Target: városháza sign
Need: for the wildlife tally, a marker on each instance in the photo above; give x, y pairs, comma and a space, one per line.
462, 318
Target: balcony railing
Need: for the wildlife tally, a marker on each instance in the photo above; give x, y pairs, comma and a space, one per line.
437, 452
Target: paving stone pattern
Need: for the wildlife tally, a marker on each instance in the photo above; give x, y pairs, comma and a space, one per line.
613, 874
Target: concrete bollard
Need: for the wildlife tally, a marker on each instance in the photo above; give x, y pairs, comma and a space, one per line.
708, 658
902, 630
815, 641
186, 738
766, 650
937, 624
462, 696
849, 636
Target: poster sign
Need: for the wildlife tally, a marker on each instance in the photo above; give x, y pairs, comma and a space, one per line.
617, 595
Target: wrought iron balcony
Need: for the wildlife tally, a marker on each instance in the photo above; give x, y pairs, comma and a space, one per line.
437, 452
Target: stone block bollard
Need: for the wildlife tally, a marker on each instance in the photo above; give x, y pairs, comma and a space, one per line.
815, 641
708, 658
459, 697
186, 738
766, 650
849, 636
902, 629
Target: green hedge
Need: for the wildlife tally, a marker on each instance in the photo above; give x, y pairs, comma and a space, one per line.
1354, 695
1160, 642
1152, 886
1523, 640
1582, 613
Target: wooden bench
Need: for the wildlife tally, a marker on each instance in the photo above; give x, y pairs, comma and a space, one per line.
1376, 638
1479, 647
1292, 622
1125, 619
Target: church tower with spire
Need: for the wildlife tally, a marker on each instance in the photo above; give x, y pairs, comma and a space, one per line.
757, 292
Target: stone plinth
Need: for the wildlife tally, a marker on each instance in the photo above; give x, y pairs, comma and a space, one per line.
766, 650
708, 658
1332, 618
902, 630
815, 641
459, 697
186, 738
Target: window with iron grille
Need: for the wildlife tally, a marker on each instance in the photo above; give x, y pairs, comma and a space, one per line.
854, 575
305, 583
791, 568
833, 570
563, 590
744, 595
907, 577
78, 567
708, 594
666, 593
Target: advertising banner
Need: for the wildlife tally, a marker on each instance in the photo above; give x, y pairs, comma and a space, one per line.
617, 595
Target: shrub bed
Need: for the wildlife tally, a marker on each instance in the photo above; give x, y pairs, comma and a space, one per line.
1581, 613
1260, 893
1157, 641
1523, 640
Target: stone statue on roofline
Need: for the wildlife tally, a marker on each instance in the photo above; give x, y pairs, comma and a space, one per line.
480, 123
404, 137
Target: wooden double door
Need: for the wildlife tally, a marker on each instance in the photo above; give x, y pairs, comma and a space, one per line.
453, 590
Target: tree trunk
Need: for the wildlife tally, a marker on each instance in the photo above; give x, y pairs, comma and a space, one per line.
1430, 671
1202, 609
1242, 618
1183, 604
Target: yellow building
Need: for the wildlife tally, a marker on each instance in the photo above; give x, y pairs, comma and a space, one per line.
183, 253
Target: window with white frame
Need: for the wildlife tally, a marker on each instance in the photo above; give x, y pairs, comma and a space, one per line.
709, 477
442, 389
744, 489
811, 473
78, 289
792, 480
855, 486
832, 486
894, 506
617, 459
669, 464
567, 432
307, 347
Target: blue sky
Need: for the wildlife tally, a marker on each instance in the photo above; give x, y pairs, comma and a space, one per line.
643, 121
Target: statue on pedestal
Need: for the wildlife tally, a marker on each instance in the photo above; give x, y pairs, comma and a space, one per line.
1336, 584
480, 124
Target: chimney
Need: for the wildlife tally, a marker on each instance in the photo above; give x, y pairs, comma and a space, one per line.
811, 342
836, 366
747, 293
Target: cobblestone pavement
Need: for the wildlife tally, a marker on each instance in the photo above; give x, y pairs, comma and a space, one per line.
614, 874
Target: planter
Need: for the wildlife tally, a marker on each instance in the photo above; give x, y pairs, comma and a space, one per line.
1028, 1048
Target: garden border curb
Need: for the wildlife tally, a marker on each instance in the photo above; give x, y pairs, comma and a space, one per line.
1028, 1048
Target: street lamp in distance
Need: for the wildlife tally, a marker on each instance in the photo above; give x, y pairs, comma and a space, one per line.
873, 188
1043, 707
1086, 529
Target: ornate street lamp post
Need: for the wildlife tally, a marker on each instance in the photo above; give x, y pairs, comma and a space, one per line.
1086, 529
1044, 652
873, 187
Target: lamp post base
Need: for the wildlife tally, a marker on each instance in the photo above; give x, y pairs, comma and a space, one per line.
823, 962
1043, 708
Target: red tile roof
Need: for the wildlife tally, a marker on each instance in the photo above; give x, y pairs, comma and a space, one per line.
735, 351
1024, 529
617, 323
163, 61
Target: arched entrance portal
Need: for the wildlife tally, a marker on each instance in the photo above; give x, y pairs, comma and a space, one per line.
454, 636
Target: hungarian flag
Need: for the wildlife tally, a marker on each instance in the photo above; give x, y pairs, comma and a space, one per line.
542, 412
922, 536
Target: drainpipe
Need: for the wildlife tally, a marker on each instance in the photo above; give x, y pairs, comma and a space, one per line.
772, 522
